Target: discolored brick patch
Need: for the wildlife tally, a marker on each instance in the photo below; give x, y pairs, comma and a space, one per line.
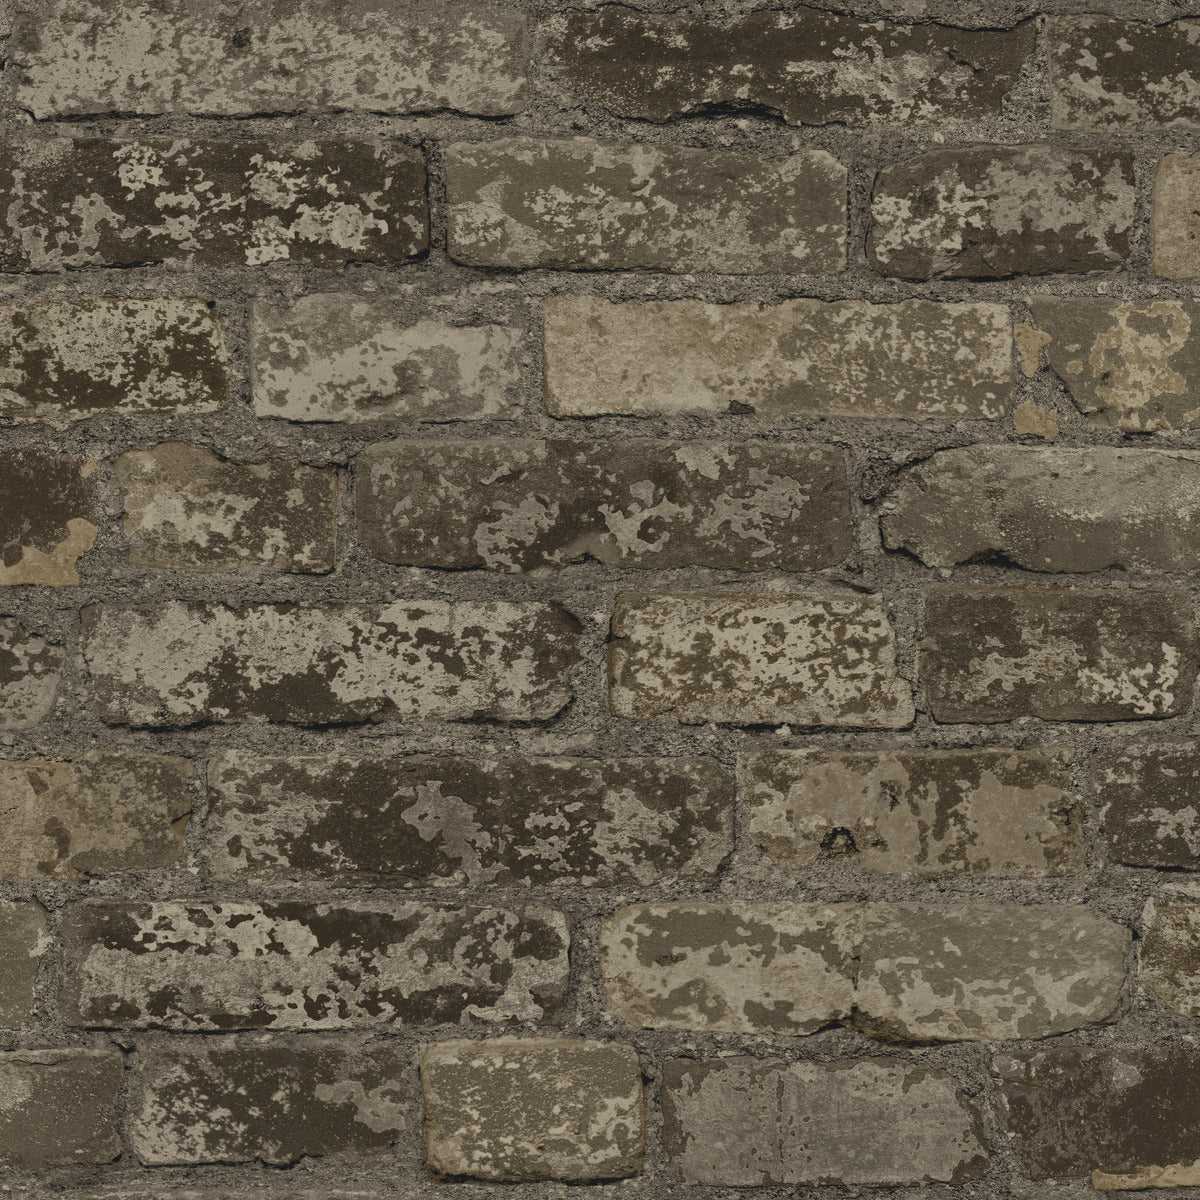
917, 360
299, 965
518, 1110
413, 822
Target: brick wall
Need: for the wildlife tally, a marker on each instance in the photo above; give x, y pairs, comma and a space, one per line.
599, 595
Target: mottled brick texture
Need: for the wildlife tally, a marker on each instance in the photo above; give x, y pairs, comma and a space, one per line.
599, 597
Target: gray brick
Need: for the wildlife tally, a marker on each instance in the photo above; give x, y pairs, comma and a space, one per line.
30, 670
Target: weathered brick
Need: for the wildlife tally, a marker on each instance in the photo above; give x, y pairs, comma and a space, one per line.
992, 211
30, 670
1050, 509
23, 940
929, 813
976, 972
212, 203
276, 1100
68, 360
188, 510
1128, 364
780, 967
746, 658
583, 204
46, 516
414, 822
1107, 73
79, 57
812, 67
1063, 654
1129, 1116
180, 664
742, 1122
59, 1107
917, 360
293, 965
1148, 797
1177, 217
338, 357
98, 814
526, 1109
523, 504
1170, 954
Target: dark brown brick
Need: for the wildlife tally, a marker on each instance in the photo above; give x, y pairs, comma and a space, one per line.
30, 670
212, 203
1170, 953
520, 504
410, 822
46, 517
1127, 1117
276, 1100
1063, 654
813, 67
293, 965
1148, 798
993, 211
24, 938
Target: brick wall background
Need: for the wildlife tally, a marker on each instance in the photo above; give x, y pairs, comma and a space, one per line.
599, 595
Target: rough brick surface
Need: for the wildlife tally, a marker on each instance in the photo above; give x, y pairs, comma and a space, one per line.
1128, 1117
917, 360
1177, 217
742, 1122
418, 822
1063, 654
984, 973
932, 814
582, 204
328, 664
295, 965
68, 360
1147, 797
524, 505
748, 659
30, 670
992, 211
1108, 73
23, 941
337, 357
1132, 364
1052, 509
46, 517
82, 56
186, 509
659, 66
99, 814
277, 1101
730, 968
216, 203
1170, 955
523, 1109
59, 1107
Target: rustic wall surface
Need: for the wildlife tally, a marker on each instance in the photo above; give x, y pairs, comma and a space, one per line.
599, 596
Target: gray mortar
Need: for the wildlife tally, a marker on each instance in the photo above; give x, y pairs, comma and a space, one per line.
876, 450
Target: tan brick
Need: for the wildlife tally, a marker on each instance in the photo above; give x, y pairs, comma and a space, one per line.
68, 360
523, 504
278, 1100
339, 357
188, 510
917, 360
418, 822
99, 814
80, 57
60, 1107
742, 1122
526, 1109
328, 664
929, 813
1177, 217
293, 965
581, 204
754, 658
